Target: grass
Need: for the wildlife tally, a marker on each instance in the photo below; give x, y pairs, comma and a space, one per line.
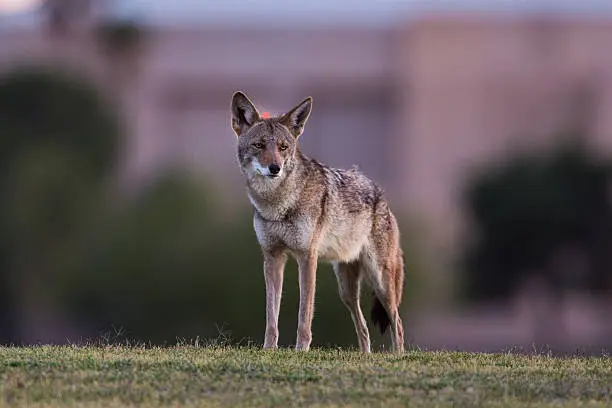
103, 376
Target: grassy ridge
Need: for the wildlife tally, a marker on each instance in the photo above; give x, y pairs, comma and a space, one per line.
220, 376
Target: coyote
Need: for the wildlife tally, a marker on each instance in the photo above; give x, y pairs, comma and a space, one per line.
312, 211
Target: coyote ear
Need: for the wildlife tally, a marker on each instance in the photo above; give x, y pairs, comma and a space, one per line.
244, 113
296, 118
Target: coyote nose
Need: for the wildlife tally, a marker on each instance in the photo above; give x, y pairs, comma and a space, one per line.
274, 168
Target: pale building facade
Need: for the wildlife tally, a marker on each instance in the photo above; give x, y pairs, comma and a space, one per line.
416, 106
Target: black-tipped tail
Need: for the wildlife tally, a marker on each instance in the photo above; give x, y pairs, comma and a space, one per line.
379, 315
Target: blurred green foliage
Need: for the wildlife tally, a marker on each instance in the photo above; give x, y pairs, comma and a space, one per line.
58, 141
545, 214
159, 266
50, 110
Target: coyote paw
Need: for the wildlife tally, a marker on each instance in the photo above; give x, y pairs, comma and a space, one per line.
302, 347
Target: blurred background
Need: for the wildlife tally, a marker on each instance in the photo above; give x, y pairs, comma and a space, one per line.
489, 124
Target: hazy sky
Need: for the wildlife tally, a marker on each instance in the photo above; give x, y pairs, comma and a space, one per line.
274, 12
308, 12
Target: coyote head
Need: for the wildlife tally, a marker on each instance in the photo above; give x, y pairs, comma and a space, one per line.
267, 147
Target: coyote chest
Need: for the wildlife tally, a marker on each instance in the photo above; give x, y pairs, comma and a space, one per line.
335, 241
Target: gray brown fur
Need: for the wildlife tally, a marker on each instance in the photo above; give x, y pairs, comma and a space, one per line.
312, 211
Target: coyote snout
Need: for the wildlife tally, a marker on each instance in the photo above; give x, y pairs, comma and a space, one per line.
312, 211
272, 171
267, 160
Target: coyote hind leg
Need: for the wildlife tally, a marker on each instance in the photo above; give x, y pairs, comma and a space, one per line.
386, 282
349, 280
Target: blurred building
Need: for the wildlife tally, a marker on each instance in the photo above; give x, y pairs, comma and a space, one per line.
416, 106
474, 88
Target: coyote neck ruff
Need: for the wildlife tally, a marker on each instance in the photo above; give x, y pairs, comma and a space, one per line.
312, 211
274, 199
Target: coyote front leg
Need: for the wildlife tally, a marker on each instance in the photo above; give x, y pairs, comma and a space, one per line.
274, 265
308, 274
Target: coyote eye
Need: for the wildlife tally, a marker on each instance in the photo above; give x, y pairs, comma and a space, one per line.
284, 147
258, 145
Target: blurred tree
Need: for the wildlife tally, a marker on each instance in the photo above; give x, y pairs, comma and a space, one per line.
58, 146
122, 43
62, 15
119, 38
543, 215
57, 111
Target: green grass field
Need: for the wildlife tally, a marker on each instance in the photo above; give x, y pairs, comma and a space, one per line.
222, 376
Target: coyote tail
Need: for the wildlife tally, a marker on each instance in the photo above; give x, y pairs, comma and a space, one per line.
379, 315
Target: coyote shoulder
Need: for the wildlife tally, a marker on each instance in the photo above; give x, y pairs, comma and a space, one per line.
314, 212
